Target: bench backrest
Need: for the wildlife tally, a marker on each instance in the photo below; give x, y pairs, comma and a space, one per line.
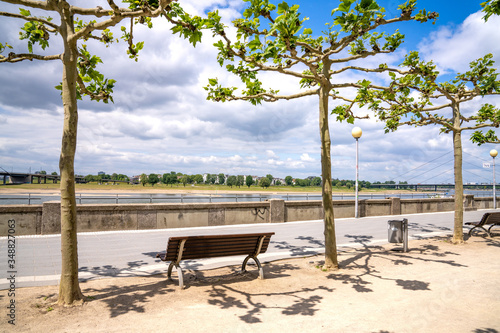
199, 247
492, 218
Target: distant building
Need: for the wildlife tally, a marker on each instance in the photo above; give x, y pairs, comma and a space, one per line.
101, 173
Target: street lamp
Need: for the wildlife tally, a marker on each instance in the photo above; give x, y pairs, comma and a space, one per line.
494, 153
356, 134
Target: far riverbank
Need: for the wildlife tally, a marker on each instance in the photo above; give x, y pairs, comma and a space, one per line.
50, 189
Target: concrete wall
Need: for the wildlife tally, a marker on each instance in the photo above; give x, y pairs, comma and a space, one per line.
45, 219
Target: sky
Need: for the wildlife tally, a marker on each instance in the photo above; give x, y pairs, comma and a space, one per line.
160, 120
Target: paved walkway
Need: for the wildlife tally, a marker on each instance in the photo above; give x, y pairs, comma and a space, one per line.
132, 253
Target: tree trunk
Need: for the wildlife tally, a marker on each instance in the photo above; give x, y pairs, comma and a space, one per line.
69, 288
331, 261
458, 233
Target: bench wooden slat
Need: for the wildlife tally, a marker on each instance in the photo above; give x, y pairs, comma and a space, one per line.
200, 250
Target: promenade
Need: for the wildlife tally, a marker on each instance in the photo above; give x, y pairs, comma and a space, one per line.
434, 287
132, 253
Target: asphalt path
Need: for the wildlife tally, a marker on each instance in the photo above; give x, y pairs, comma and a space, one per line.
133, 253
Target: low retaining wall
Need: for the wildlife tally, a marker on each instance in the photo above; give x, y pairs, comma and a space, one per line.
45, 219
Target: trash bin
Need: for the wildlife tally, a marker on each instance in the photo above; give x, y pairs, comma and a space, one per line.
395, 228
398, 232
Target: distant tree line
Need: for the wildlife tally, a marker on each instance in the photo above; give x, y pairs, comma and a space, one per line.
106, 177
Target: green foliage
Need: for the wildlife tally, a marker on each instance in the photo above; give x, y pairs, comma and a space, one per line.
34, 31
96, 82
265, 182
491, 7
358, 18
411, 98
142, 4
249, 181
4, 46
231, 181
480, 138
187, 26
275, 38
222, 179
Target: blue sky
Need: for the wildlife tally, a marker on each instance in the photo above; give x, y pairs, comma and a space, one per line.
162, 122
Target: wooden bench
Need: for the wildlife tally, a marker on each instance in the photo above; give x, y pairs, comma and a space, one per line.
200, 247
487, 219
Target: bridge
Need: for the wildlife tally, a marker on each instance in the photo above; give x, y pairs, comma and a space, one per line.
31, 178
432, 187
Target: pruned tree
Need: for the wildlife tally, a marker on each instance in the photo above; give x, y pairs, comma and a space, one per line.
415, 97
275, 39
80, 77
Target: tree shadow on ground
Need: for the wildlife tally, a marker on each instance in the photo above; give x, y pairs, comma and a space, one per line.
291, 302
133, 268
233, 274
485, 330
362, 257
300, 250
123, 299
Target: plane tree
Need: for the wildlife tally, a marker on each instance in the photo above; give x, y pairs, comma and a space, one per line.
276, 39
416, 97
76, 27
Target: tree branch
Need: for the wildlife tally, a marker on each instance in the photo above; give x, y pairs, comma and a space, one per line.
13, 57
273, 98
32, 19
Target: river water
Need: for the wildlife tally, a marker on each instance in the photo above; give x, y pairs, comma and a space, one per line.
108, 198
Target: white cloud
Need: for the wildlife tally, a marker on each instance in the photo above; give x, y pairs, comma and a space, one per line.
454, 48
306, 158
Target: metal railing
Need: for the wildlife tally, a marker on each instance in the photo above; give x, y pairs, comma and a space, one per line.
210, 198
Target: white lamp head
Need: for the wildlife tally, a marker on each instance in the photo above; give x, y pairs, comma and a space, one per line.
493, 153
356, 132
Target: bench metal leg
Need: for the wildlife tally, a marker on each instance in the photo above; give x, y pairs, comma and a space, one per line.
179, 273
478, 226
261, 271
493, 225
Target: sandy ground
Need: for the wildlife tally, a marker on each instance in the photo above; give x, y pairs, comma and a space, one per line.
435, 287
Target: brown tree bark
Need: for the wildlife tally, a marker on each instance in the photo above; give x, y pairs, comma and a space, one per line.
458, 234
331, 261
69, 288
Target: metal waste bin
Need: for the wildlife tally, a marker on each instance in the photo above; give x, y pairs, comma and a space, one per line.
398, 232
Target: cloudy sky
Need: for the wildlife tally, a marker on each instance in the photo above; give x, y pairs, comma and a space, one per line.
162, 122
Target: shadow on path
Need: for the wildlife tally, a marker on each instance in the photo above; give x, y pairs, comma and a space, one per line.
362, 257
292, 302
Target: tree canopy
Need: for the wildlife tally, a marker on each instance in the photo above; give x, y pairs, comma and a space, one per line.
276, 39
77, 28
415, 97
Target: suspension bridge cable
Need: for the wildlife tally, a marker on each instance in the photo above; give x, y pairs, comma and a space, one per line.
418, 167
479, 158
477, 175
431, 169
446, 171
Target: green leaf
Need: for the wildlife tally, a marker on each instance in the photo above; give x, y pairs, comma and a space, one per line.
24, 12
308, 31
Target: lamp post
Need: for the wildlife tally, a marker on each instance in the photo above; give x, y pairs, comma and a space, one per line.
356, 134
494, 153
